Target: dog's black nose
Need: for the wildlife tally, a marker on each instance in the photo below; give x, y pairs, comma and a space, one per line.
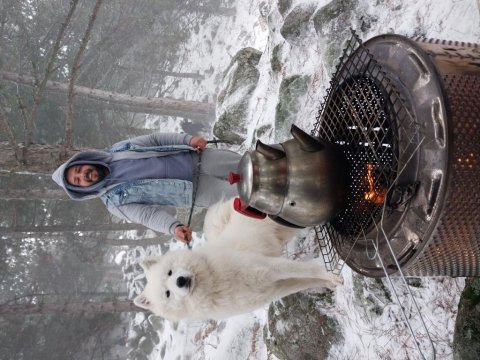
183, 281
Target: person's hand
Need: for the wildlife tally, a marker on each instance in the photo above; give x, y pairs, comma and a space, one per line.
183, 233
198, 142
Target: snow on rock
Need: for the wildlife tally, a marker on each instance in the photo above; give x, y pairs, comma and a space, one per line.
233, 99
302, 40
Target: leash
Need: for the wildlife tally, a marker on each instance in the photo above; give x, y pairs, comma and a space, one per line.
197, 178
219, 141
194, 195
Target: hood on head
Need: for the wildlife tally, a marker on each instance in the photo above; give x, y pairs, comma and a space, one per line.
93, 157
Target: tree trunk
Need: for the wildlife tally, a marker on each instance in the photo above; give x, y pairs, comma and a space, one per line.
39, 88
5, 230
225, 11
161, 73
68, 139
33, 194
160, 239
205, 9
194, 110
69, 308
41, 159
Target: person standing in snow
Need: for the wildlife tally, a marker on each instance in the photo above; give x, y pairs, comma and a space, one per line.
137, 179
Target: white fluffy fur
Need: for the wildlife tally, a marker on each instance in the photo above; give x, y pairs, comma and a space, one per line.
237, 271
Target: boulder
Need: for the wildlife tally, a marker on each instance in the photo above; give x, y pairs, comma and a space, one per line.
371, 294
240, 80
292, 88
284, 6
275, 60
466, 338
297, 328
156, 322
333, 22
146, 345
296, 23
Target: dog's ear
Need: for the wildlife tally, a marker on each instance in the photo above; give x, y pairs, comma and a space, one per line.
145, 264
142, 301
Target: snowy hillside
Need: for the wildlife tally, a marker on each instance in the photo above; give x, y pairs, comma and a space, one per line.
367, 334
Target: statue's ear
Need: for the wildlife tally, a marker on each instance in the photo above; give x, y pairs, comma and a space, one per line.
145, 264
142, 301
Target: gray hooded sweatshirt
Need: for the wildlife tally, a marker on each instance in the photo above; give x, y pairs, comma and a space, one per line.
140, 201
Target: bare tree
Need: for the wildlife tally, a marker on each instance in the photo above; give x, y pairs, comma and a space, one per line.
39, 158
29, 194
162, 73
68, 143
7, 130
40, 87
68, 308
6, 230
194, 110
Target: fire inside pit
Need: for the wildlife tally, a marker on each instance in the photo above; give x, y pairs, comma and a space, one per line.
407, 115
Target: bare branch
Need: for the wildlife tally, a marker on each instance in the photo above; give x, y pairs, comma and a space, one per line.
7, 130
39, 90
86, 306
73, 76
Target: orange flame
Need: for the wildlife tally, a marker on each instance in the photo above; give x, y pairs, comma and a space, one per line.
373, 195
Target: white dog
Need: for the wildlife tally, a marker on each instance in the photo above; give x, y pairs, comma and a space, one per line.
237, 271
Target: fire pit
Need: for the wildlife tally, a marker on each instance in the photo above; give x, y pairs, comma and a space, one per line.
406, 114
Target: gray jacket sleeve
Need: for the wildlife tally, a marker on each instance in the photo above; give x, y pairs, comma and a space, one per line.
158, 139
155, 217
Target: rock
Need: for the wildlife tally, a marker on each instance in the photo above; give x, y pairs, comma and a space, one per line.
291, 89
153, 336
163, 350
284, 6
263, 9
332, 22
297, 329
157, 323
414, 282
145, 345
240, 80
466, 338
134, 334
275, 62
296, 23
135, 354
262, 130
231, 124
371, 293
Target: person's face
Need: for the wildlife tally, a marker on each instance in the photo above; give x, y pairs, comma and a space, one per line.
84, 175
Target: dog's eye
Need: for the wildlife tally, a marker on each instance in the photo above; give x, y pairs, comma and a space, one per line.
170, 273
167, 293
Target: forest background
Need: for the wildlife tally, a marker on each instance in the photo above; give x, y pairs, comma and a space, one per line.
75, 75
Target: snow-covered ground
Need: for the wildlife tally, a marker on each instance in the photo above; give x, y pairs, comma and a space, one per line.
257, 25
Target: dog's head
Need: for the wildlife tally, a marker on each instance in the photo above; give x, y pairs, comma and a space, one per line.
171, 280
176, 285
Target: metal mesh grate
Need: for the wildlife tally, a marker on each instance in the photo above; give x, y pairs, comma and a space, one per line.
365, 115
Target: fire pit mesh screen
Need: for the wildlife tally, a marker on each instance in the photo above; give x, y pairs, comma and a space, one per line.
366, 116
454, 247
